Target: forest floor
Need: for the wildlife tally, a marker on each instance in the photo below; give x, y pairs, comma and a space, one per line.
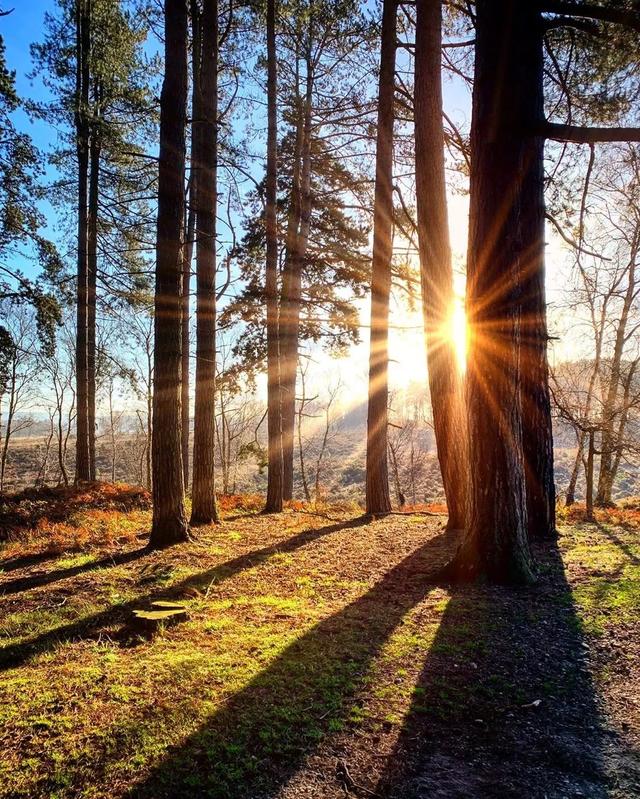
318, 659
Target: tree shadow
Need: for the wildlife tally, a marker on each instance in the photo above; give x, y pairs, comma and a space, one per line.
25, 561
258, 739
622, 545
14, 655
40, 580
505, 705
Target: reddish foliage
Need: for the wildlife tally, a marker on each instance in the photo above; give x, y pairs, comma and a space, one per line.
38, 509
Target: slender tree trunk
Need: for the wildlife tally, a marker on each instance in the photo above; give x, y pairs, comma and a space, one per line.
274, 415
378, 500
92, 263
609, 412
11, 409
436, 271
292, 279
169, 521
189, 241
83, 16
622, 423
185, 308
570, 496
502, 158
203, 493
589, 475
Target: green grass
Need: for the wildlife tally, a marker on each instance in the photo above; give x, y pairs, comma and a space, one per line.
328, 639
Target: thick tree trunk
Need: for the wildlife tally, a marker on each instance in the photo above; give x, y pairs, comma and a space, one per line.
436, 271
92, 262
206, 118
502, 157
537, 430
274, 416
378, 500
82, 143
169, 521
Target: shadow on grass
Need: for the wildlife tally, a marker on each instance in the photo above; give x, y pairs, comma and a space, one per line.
505, 706
40, 580
14, 655
258, 739
25, 561
622, 545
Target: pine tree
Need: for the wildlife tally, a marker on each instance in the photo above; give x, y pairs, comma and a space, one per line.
169, 520
92, 60
205, 113
378, 500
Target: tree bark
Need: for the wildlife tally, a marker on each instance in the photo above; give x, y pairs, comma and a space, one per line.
92, 264
589, 476
204, 509
274, 415
378, 500
83, 11
570, 496
610, 410
436, 271
169, 521
502, 156
190, 225
185, 307
297, 242
537, 432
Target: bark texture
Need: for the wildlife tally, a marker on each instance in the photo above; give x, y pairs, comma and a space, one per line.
378, 500
83, 12
274, 416
537, 433
297, 243
169, 520
436, 273
502, 157
205, 117
92, 281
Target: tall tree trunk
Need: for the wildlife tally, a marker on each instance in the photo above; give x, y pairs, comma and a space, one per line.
436, 271
203, 493
169, 520
537, 428
378, 500
83, 44
92, 263
190, 226
297, 242
503, 156
274, 415
185, 307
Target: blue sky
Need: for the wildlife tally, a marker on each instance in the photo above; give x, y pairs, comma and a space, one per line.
19, 29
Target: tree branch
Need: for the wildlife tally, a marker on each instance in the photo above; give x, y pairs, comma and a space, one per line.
616, 15
578, 134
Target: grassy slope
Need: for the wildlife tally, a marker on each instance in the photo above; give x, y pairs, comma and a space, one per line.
317, 658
